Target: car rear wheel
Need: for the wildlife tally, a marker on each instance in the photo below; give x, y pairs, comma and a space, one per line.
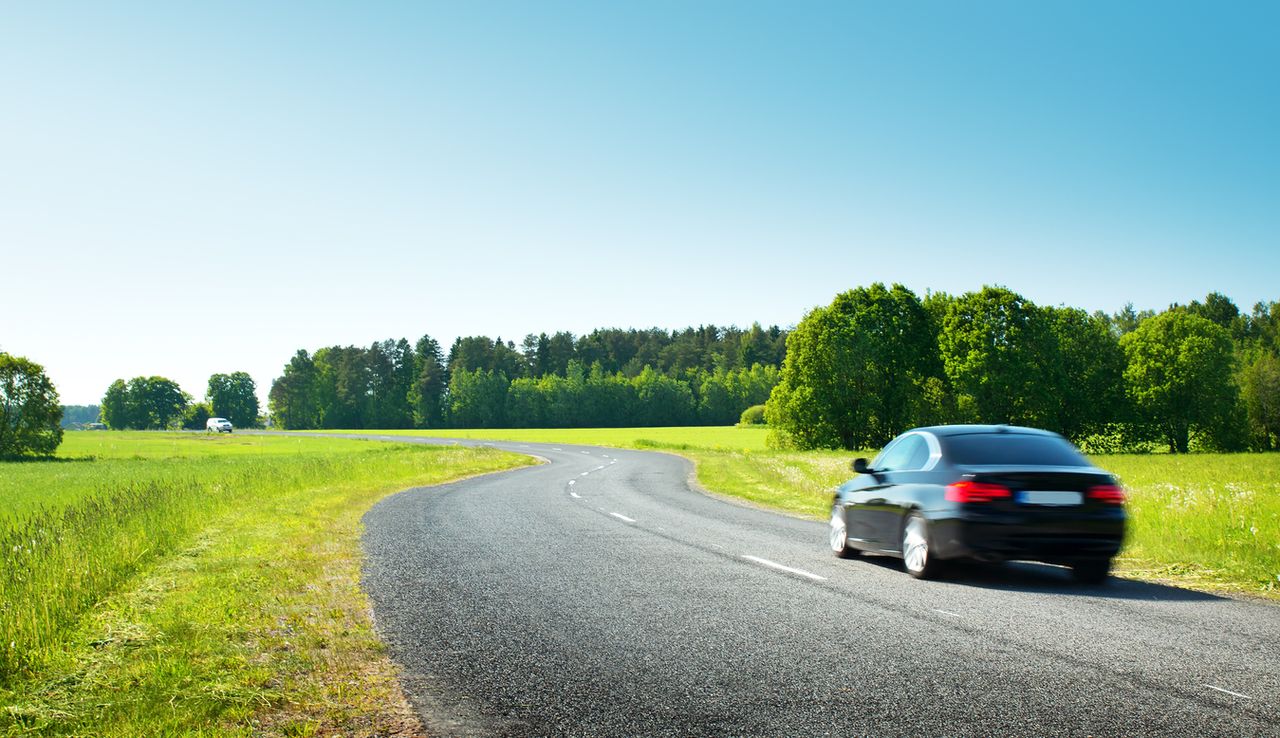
1093, 571
916, 554
839, 535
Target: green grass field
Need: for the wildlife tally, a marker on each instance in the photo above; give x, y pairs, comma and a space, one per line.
165, 583
1210, 521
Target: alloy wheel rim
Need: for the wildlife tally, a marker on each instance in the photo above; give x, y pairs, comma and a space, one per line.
915, 546
839, 535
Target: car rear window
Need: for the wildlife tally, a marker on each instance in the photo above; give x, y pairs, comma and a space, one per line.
1011, 449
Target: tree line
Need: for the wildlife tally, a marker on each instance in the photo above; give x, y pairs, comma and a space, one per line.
609, 377
878, 361
158, 403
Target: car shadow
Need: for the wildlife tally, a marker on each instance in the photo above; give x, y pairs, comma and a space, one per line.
1027, 576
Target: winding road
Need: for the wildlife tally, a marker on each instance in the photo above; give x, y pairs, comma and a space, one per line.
599, 595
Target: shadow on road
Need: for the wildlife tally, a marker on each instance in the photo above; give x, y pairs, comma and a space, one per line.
1026, 576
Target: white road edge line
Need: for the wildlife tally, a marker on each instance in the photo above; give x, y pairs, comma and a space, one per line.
1227, 691
583, 474
622, 517
948, 612
780, 567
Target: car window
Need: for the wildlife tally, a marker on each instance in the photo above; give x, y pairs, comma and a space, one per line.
910, 452
919, 455
878, 461
1011, 449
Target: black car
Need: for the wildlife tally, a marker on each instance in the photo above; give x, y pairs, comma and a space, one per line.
985, 492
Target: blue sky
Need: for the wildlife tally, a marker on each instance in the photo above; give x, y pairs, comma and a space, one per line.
194, 190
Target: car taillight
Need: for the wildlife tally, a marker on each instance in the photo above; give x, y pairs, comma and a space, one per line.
1108, 493
968, 491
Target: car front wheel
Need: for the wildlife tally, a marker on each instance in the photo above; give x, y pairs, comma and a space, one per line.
916, 554
839, 535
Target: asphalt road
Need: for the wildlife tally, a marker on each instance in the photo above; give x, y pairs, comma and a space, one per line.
598, 595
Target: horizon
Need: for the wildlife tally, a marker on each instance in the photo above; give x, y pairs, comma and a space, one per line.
191, 191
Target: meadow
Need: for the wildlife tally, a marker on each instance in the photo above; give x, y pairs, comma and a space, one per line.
159, 583
1210, 521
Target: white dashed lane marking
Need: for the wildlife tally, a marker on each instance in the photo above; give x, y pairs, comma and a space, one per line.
575, 495
780, 567
622, 517
948, 612
1227, 691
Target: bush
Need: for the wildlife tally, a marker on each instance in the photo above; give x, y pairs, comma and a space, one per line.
753, 415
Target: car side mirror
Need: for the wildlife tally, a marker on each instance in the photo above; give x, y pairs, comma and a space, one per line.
860, 466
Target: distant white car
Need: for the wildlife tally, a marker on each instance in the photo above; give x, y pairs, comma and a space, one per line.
218, 425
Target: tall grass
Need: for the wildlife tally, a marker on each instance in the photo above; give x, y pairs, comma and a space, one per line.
1209, 519
64, 551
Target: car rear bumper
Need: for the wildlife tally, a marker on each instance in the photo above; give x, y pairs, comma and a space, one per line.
1061, 540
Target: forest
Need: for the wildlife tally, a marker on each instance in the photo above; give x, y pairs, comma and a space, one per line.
608, 378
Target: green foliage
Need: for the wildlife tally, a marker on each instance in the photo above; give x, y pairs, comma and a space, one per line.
998, 351
426, 397
144, 403
197, 414
661, 400
703, 375
234, 397
1090, 371
115, 406
75, 416
1260, 390
30, 416
856, 371
293, 396
753, 415
1180, 377
477, 398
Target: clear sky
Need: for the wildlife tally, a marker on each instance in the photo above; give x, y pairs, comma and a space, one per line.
191, 190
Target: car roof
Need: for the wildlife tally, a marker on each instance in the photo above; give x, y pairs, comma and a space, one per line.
963, 430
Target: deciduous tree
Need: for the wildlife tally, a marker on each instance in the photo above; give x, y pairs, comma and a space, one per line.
855, 370
998, 351
1260, 387
1179, 376
30, 416
234, 397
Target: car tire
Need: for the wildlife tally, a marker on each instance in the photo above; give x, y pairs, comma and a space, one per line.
838, 535
917, 554
1091, 571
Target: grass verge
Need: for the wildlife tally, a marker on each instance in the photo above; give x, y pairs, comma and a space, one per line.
218, 596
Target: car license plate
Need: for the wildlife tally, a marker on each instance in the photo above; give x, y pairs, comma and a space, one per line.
1049, 497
